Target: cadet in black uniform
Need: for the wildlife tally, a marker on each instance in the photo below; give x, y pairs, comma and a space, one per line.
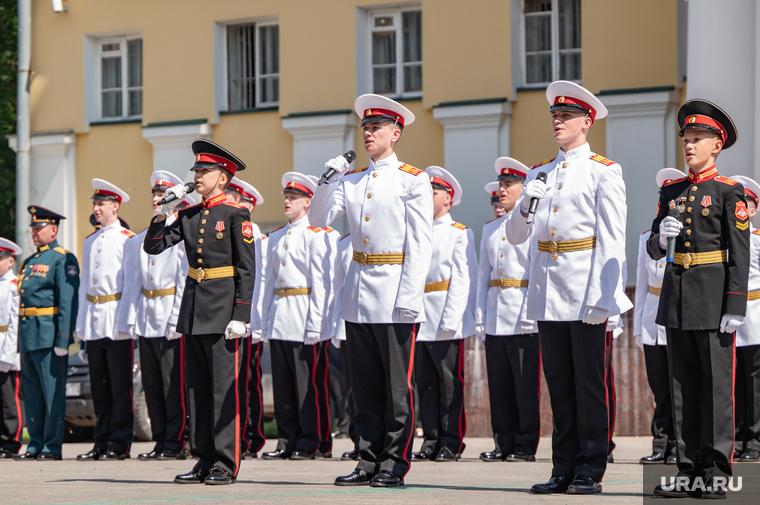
704, 296
216, 305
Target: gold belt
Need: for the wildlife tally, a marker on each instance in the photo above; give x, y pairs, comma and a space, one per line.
654, 291
752, 295
104, 298
438, 286
38, 311
705, 258
379, 259
509, 283
158, 292
567, 245
200, 274
292, 291
3, 329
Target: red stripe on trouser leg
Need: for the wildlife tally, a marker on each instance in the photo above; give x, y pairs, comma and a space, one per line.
237, 407
411, 396
733, 396
316, 391
182, 389
328, 428
17, 398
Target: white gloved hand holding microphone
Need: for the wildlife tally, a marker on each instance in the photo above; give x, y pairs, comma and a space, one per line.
180, 191
534, 189
669, 227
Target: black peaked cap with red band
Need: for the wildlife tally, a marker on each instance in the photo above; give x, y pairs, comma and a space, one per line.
703, 115
210, 155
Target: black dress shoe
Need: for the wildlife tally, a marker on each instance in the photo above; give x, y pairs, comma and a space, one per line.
113, 456
301, 455
671, 459
654, 458
27, 456
583, 484
445, 455
386, 479
738, 453
355, 478
519, 457
670, 491
93, 455
219, 477
275, 455
49, 456
6, 454
557, 484
422, 456
750, 455
147, 456
354, 455
494, 455
713, 491
610, 458
168, 454
191, 477
323, 455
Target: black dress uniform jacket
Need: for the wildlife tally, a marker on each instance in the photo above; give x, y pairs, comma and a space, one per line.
217, 234
710, 204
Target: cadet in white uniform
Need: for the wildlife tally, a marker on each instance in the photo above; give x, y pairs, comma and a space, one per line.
492, 188
575, 284
651, 337
512, 349
449, 300
747, 380
153, 290
10, 382
294, 305
108, 348
389, 206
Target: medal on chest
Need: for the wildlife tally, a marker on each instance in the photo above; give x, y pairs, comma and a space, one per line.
219, 229
40, 270
706, 202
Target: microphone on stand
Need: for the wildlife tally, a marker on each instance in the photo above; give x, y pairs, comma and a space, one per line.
190, 187
534, 201
350, 156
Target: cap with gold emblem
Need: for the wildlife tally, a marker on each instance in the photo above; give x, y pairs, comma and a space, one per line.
210, 155
509, 169
441, 178
376, 108
703, 115
42, 216
104, 190
9, 248
492, 188
298, 182
246, 191
667, 175
568, 96
161, 180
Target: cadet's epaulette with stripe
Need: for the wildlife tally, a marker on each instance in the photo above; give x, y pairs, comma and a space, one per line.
276, 229
543, 163
61, 250
494, 219
458, 225
356, 171
756, 232
264, 237
672, 181
344, 236
91, 234
601, 159
649, 230
410, 169
314, 229
328, 229
127, 233
231, 204
14, 281
725, 180
191, 207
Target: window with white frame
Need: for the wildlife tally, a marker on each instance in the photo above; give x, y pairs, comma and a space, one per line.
253, 65
121, 81
396, 44
552, 41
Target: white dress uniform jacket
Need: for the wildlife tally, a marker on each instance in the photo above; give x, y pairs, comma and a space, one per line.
259, 249
102, 275
584, 199
453, 259
649, 274
296, 259
503, 311
345, 252
9, 301
141, 315
749, 332
332, 237
390, 210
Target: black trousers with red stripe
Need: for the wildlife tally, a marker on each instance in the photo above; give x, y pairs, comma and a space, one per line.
381, 359
514, 381
611, 397
747, 397
213, 366
11, 404
439, 374
251, 395
323, 397
663, 437
574, 358
296, 404
111, 363
163, 378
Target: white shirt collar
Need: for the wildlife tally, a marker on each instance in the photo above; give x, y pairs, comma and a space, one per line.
9, 275
301, 223
116, 225
579, 152
389, 162
445, 219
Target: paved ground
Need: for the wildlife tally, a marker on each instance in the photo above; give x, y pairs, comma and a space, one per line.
467, 481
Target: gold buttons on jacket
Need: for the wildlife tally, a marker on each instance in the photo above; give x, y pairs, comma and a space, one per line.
94, 282
37, 255
503, 239
564, 165
687, 244
694, 188
288, 233
365, 240
283, 263
151, 278
688, 210
553, 232
200, 260
205, 212
203, 221
286, 247
201, 231
502, 255
688, 220
152, 262
366, 218
200, 250
200, 240
369, 195
96, 266
555, 209
501, 272
554, 256
559, 187
691, 198
374, 174
661, 265
688, 232
280, 280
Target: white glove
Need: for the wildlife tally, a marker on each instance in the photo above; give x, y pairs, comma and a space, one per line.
595, 315
264, 335
171, 332
639, 341
312, 337
669, 227
235, 329
335, 341
180, 191
446, 333
340, 165
5, 367
730, 323
406, 315
131, 331
480, 330
83, 356
60, 351
255, 337
248, 330
534, 189
527, 327
617, 332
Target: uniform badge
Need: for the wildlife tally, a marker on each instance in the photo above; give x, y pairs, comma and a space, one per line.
706, 202
219, 229
247, 231
72, 270
741, 211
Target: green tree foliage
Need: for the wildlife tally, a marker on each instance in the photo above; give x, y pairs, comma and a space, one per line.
8, 58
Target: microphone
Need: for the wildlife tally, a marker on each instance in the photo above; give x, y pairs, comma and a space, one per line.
671, 250
534, 201
190, 187
350, 156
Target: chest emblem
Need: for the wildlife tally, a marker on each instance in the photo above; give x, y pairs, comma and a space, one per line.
72, 270
219, 229
247, 232
741, 211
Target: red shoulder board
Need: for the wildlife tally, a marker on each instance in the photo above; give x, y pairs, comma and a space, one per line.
15, 281
410, 169
601, 159
494, 219
280, 228
344, 236
459, 225
264, 237
756, 232
356, 171
543, 163
328, 229
128, 233
314, 229
227, 202
725, 180
649, 230
91, 234
672, 181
